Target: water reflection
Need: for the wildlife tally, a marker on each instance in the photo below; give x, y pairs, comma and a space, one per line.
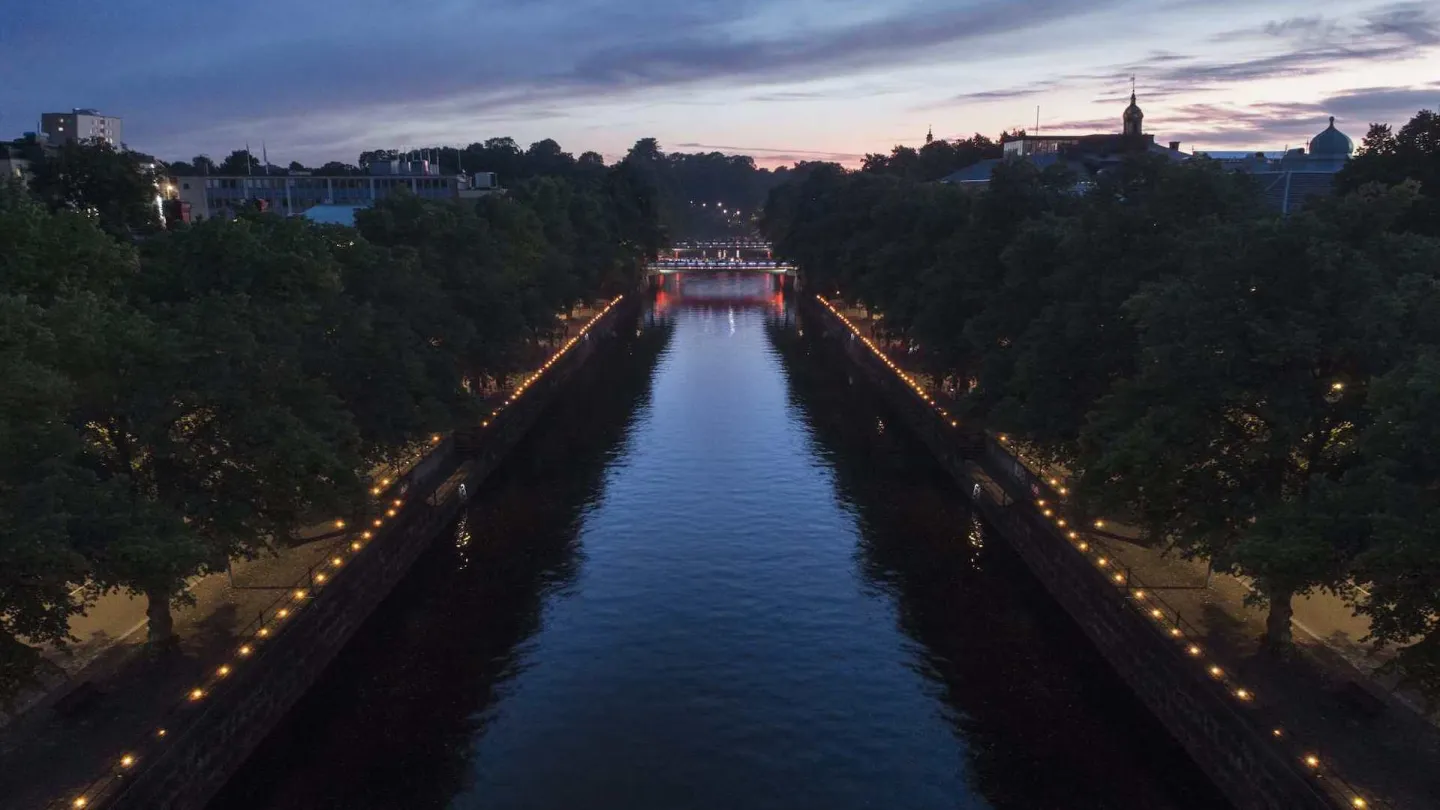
719, 579
1044, 721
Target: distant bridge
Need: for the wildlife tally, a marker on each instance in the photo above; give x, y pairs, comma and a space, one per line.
701, 265
720, 256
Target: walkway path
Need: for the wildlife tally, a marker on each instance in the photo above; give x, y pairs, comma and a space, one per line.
54, 749
1378, 739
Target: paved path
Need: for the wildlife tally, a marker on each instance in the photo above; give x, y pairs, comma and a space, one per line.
1383, 744
46, 754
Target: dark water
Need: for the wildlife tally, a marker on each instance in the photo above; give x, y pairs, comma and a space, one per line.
720, 578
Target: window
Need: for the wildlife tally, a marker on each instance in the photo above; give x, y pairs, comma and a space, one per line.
185, 186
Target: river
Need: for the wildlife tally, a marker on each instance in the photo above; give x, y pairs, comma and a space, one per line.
718, 577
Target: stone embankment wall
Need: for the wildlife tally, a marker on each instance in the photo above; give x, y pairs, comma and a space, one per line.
1230, 749
188, 766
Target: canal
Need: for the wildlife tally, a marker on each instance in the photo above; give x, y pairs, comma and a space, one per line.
718, 577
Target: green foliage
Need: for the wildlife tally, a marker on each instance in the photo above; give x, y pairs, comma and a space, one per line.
215, 389
116, 188
1256, 390
1412, 154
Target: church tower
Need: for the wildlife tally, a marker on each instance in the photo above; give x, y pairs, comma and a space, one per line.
1134, 118
929, 136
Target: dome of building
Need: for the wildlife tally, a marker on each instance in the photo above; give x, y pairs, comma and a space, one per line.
1332, 143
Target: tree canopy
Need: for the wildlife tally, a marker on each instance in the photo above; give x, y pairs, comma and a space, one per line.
208, 392
1254, 389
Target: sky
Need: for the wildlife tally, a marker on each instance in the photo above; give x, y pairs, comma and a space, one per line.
782, 80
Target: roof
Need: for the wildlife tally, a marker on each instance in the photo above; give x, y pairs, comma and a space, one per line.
977, 173
1288, 192
333, 214
1332, 142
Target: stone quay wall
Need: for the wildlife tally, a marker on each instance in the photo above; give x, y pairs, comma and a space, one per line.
203, 747
1236, 754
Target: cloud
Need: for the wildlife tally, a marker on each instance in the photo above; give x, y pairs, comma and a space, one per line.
323, 79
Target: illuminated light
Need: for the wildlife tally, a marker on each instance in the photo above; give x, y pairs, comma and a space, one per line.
263, 632
390, 513
1216, 671
336, 561
1277, 732
954, 424
1101, 562
378, 522
282, 613
1139, 594
1084, 546
246, 649
385, 482
1358, 802
484, 424
1064, 491
127, 760
1054, 482
1193, 650
1157, 613
223, 670
1040, 503
399, 502
366, 535
1099, 524
80, 801
1060, 522
355, 546
435, 439
339, 524
300, 593
1339, 386
1049, 513
1243, 694
320, 577
1119, 577
1003, 438
375, 491
1074, 535
1175, 631
160, 732
197, 693
1312, 760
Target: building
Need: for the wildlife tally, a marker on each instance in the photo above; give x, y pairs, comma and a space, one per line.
1286, 180
1085, 154
1289, 180
291, 194
82, 124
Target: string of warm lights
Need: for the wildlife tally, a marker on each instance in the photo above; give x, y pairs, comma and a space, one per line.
1164, 617
272, 618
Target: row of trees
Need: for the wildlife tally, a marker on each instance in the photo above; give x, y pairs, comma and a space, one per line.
202, 394
936, 159
693, 188
1258, 390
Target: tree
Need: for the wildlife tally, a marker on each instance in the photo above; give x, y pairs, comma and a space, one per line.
297, 166
239, 162
1412, 154
93, 178
334, 168
39, 566
1238, 434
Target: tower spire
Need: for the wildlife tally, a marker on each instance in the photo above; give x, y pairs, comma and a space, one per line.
930, 135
